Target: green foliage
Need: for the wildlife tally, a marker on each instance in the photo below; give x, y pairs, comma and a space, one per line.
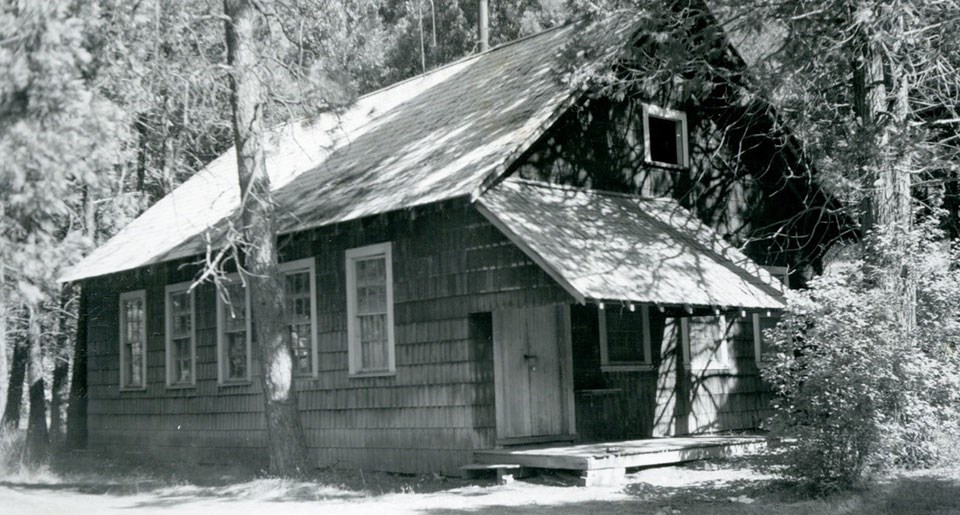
857, 393
61, 142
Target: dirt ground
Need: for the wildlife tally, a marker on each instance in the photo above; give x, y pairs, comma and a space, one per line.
744, 485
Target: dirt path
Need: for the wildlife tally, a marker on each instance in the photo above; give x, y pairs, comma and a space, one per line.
725, 487
516, 498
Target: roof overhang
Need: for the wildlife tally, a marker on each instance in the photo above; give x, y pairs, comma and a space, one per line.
602, 246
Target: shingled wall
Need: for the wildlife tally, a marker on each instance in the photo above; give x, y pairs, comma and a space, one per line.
449, 263
671, 397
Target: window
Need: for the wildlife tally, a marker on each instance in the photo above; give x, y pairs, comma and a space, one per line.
180, 336
299, 284
233, 332
624, 338
370, 310
761, 345
706, 345
133, 340
664, 136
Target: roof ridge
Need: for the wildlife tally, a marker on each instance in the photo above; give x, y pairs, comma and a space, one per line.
477, 55
312, 118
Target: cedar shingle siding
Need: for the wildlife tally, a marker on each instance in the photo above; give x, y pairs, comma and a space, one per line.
430, 416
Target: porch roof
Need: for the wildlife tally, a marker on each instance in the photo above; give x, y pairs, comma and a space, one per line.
606, 246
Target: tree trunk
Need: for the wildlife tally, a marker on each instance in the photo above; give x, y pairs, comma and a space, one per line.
4, 365
886, 179
18, 371
38, 440
77, 409
285, 438
61, 371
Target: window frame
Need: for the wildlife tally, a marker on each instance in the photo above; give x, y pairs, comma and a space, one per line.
726, 364
606, 364
667, 114
758, 340
168, 334
309, 265
354, 357
222, 380
125, 297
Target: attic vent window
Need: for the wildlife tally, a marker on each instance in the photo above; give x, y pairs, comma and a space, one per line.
664, 136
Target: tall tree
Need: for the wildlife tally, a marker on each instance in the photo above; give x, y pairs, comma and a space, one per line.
259, 260
61, 352
14, 394
871, 87
38, 439
59, 137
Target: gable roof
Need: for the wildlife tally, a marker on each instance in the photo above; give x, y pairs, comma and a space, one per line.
435, 137
606, 246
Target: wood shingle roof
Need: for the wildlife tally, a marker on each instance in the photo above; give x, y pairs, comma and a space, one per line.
435, 137
604, 246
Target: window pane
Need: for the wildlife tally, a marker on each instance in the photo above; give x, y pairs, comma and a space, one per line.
766, 324
297, 314
707, 343
664, 147
624, 336
136, 364
371, 271
234, 329
132, 358
300, 340
373, 341
182, 362
236, 355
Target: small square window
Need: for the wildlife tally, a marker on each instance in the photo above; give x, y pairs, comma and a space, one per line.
133, 340
624, 337
180, 336
665, 136
370, 310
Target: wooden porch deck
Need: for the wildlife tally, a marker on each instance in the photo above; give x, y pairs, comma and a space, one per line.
606, 462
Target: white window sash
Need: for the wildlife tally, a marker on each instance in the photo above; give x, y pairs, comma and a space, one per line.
222, 364
132, 296
354, 346
169, 291
669, 114
720, 355
606, 364
299, 266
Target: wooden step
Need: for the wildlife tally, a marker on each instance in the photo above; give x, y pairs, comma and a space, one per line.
505, 472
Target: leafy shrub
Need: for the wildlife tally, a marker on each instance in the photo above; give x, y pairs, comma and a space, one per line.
856, 392
11, 448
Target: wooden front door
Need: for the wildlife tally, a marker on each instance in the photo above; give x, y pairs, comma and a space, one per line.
533, 371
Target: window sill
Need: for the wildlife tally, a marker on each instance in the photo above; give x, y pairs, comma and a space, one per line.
373, 373
232, 384
665, 166
626, 367
728, 370
181, 386
133, 389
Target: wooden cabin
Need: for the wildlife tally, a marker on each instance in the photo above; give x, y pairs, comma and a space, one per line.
456, 279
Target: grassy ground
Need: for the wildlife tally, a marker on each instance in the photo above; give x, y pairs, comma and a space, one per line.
88, 483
